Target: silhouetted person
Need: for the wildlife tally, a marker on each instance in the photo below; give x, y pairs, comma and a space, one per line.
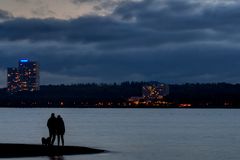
60, 129
51, 124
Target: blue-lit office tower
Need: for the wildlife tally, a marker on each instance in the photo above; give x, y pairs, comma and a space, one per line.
29, 75
13, 80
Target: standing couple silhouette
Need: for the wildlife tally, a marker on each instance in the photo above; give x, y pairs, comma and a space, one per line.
56, 127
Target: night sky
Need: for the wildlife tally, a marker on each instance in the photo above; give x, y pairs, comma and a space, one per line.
105, 41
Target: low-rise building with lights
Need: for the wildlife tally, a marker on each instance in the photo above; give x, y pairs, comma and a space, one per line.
155, 91
152, 94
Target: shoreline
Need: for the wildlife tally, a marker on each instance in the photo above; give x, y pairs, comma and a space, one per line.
127, 107
14, 150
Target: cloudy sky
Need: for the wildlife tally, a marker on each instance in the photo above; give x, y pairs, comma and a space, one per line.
80, 41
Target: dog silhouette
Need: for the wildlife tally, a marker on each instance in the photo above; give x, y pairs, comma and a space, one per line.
46, 141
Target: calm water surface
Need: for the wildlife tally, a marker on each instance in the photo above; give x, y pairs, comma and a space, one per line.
133, 134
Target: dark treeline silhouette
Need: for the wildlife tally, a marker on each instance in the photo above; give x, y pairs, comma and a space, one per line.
73, 95
206, 95
116, 95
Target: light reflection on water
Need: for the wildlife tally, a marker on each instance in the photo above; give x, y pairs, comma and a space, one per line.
56, 158
135, 134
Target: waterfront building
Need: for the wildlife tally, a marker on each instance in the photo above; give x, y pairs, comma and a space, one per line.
13, 80
29, 75
152, 94
25, 77
155, 91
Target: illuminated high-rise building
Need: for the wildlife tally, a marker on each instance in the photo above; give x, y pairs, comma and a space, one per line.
13, 80
29, 75
25, 77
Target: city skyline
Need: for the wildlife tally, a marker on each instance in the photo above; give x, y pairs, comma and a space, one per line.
79, 41
25, 77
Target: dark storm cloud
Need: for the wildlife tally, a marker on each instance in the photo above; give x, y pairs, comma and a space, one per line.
93, 1
180, 15
170, 41
100, 5
83, 1
85, 29
5, 15
176, 21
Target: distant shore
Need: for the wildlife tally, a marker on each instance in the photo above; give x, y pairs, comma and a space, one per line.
208, 95
128, 107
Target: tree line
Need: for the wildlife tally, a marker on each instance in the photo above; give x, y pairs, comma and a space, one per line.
79, 95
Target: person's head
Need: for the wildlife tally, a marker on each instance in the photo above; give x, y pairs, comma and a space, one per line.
59, 116
52, 115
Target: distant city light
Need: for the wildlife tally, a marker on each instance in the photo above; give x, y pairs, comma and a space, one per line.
152, 94
25, 77
24, 60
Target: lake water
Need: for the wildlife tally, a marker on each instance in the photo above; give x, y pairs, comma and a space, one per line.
133, 134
